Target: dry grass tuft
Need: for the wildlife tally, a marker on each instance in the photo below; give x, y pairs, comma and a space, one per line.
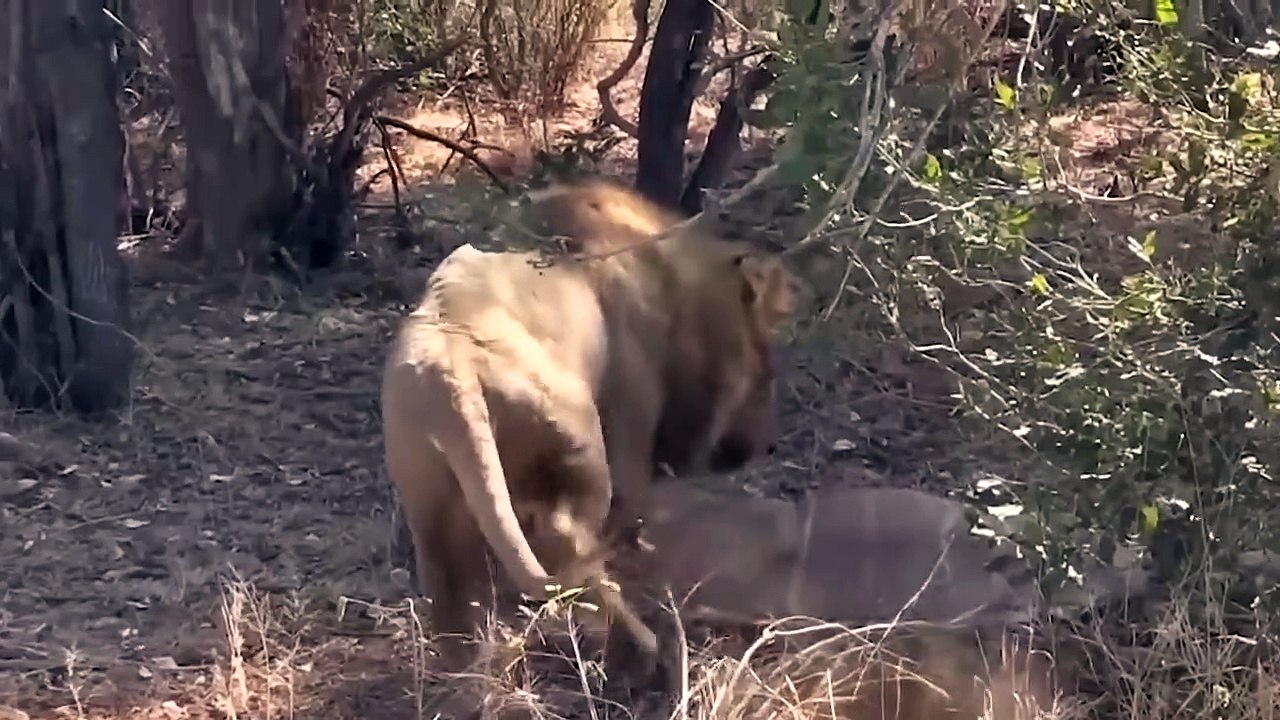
1183, 663
804, 668
265, 656
534, 49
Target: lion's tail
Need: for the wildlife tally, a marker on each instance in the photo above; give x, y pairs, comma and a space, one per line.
468, 443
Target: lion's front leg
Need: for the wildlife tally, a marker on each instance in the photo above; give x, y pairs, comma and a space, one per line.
632, 474
630, 413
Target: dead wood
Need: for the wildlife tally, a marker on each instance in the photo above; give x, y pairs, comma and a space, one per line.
608, 111
453, 145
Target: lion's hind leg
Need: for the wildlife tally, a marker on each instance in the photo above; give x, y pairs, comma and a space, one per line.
580, 506
448, 547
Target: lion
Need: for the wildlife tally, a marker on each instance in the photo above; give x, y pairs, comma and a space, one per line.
596, 216
516, 385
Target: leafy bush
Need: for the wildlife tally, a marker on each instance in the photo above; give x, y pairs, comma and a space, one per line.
399, 32
1139, 369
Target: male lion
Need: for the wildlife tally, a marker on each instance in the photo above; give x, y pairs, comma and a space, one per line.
517, 385
595, 217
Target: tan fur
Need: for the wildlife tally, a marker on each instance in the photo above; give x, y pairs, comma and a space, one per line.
515, 386
596, 217
857, 556
847, 554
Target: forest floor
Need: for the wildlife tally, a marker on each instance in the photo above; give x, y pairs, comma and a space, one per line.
226, 548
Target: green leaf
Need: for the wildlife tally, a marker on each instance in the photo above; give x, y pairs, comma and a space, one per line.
1059, 355
1149, 245
1005, 94
1019, 219
1039, 284
932, 168
1258, 141
789, 35
1030, 169
782, 106
1150, 519
816, 142
1166, 13
794, 167
1248, 85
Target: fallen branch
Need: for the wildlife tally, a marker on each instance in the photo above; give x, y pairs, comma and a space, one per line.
453, 145
608, 111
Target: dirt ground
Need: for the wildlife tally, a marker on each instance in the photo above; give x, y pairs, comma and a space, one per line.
227, 548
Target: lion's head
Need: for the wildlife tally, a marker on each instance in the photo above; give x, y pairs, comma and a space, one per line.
726, 303
596, 216
720, 409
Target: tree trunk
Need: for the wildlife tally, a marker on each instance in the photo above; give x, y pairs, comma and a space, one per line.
226, 60
64, 312
724, 142
666, 97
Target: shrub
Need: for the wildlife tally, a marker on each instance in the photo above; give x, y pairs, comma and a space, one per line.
533, 48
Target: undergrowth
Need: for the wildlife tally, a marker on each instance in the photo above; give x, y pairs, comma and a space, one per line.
1117, 332
277, 662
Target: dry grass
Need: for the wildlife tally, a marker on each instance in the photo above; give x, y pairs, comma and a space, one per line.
534, 49
274, 664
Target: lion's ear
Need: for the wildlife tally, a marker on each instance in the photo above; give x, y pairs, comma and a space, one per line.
769, 290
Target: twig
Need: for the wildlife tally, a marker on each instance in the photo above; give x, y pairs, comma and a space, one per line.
469, 132
393, 164
722, 64
608, 111
453, 145
367, 187
353, 109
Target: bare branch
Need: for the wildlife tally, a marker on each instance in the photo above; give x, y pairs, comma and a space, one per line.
374, 84
393, 165
724, 141
453, 145
608, 111
722, 64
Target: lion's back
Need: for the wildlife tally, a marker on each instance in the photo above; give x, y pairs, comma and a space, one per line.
509, 316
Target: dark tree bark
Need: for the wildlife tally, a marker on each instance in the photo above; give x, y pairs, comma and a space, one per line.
724, 142
226, 60
64, 312
666, 97
258, 187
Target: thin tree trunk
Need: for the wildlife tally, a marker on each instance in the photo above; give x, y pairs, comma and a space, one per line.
724, 142
227, 64
64, 313
666, 97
